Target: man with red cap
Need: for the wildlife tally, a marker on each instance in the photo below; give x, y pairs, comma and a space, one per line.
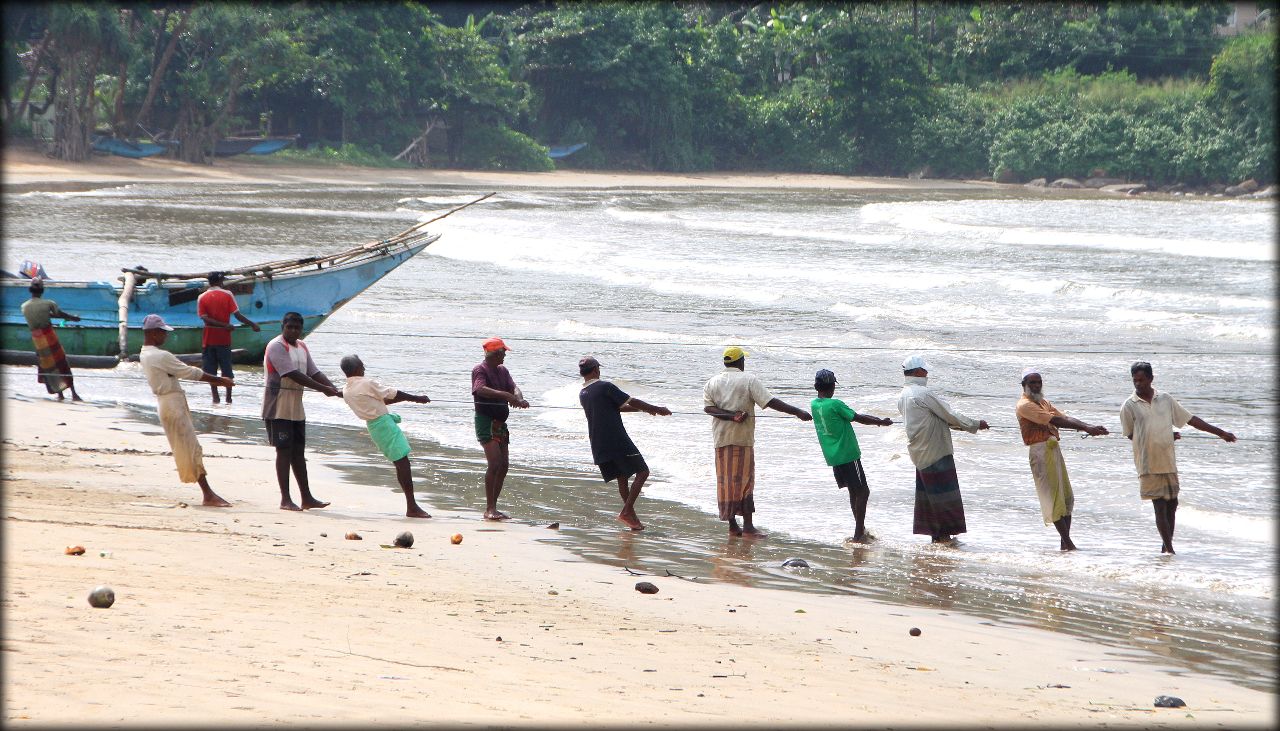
494, 391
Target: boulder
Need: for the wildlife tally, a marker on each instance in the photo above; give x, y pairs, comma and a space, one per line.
1124, 188
1037, 183
795, 563
1271, 191
1102, 182
1069, 183
645, 587
1248, 186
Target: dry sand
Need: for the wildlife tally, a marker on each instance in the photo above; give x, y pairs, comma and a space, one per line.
250, 615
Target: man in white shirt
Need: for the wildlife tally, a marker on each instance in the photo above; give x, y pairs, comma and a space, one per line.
1149, 418
163, 369
929, 419
731, 397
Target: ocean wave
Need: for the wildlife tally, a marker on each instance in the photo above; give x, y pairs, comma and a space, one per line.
700, 222
112, 192
573, 327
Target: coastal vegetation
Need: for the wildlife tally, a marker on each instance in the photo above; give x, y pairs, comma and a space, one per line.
1150, 92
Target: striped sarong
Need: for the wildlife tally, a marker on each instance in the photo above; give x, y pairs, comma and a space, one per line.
52, 360
939, 509
735, 481
1053, 487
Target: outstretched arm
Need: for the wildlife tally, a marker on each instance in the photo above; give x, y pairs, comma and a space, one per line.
492, 394
1205, 426
319, 383
402, 396
1066, 422
872, 420
786, 408
635, 404
247, 321
57, 312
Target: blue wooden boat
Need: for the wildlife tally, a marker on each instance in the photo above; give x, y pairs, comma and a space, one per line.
126, 148
228, 146
555, 153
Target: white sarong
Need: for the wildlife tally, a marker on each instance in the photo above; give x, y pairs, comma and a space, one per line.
175, 417
1053, 487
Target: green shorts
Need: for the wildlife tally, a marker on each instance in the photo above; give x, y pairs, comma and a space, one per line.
489, 429
386, 434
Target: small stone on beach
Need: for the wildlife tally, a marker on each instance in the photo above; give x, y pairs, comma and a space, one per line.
404, 540
322, 535
645, 587
1169, 701
554, 526
102, 597
353, 536
795, 563
914, 631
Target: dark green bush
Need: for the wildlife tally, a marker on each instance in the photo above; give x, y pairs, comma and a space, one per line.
501, 148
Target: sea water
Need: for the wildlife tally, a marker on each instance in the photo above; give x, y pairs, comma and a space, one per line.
656, 282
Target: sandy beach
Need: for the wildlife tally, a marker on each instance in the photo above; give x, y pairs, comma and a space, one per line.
254, 615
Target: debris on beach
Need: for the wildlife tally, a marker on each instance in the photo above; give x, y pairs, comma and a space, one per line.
102, 597
914, 631
353, 536
324, 535
645, 587
404, 540
455, 539
74, 550
554, 526
1169, 701
795, 563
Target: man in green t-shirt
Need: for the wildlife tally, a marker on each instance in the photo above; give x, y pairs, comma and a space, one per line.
832, 419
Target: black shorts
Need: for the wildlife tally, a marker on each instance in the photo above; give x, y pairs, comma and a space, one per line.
213, 357
286, 433
850, 475
622, 467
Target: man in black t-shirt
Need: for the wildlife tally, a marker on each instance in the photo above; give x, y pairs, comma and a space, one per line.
612, 450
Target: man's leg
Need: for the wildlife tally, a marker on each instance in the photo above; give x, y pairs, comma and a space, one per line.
405, 478
224, 355
628, 514
1163, 524
209, 364
299, 464
211, 498
1063, 525
858, 503
1173, 519
284, 460
495, 453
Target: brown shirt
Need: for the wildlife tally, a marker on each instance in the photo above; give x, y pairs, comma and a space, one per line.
1034, 418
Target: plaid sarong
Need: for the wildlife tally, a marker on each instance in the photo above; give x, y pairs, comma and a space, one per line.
52, 360
735, 481
939, 509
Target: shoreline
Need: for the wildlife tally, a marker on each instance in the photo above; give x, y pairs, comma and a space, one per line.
248, 612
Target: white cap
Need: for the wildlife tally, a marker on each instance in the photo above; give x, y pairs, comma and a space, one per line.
914, 362
155, 322
1028, 371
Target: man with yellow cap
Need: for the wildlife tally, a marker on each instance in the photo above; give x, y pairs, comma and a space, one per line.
1039, 422
494, 392
731, 397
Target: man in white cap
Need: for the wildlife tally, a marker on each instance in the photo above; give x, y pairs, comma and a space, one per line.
731, 397
1039, 421
928, 418
163, 369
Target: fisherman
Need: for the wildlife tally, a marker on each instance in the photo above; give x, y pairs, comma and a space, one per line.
731, 397
832, 420
1148, 419
368, 400
289, 368
1039, 421
494, 391
163, 369
939, 511
611, 448
53, 370
216, 306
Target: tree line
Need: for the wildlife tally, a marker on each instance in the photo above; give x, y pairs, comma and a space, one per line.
1148, 91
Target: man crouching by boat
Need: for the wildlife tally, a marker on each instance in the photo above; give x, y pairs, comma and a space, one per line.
53, 370
163, 369
289, 368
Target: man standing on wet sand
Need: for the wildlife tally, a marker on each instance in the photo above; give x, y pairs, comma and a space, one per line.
52, 369
163, 369
833, 421
494, 391
289, 368
216, 306
1039, 421
731, 397
1148, 418
611, 448
929, 419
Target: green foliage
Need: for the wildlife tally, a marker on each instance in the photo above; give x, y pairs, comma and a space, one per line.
500, 148
347, 154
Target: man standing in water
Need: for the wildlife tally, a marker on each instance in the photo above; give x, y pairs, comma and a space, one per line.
1039, 421
731, 397
215, 307
1148, 418
53, 370
163, 369
494, 391
832, 419
289, 368
928, 418
611, 448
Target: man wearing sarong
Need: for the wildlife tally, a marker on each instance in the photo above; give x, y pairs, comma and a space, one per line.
1039, 421
1149, 418
368, 400
494, 392
163, 369
289, 369
731, 397
54, 371
215, 307
611, 447
929, 419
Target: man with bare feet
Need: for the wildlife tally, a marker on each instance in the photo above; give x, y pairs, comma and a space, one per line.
369, 399
832, 419
611, 447
1149, 418
494, 392
163, 369
215, 307
1039, 422
52, 369
731, 397
289, 368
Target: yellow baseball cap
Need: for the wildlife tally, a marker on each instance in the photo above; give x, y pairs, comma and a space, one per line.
733, 353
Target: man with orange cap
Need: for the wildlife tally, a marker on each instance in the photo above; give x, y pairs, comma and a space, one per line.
494, 391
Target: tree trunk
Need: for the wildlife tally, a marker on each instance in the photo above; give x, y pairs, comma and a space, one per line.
37, 62
117, 116
158, 72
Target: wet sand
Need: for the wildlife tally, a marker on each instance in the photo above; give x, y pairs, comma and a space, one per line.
249, 614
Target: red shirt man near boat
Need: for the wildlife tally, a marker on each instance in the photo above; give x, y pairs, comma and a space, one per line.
216, 306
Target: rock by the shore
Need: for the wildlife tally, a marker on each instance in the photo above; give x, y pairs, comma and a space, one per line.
1242, 188
1102, 182
1271, 191
645, 587
1169, 701
1037, 183
1069, 183
795, 563
1124, 188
